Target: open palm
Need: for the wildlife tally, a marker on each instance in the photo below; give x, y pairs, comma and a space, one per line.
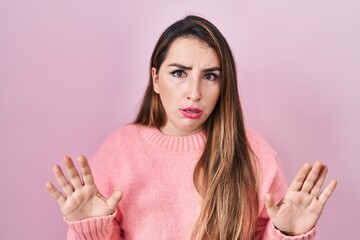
301, 207
81, 198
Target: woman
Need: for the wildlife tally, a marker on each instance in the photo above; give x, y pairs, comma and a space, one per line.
187, 168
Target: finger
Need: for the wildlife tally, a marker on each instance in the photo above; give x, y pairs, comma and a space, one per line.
319, 182
114, 200
86, 171
62, 180
56, 194
326, 193
315, 207
312, 177
300, 177
271, 207
72, 172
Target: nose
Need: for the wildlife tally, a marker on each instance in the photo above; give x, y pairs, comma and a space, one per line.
194, 93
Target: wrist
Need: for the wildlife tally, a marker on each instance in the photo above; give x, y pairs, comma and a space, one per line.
309, 235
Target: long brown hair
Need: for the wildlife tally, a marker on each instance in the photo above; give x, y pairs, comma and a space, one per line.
225, 174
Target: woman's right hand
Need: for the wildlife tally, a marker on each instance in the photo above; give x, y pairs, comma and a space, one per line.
81, 198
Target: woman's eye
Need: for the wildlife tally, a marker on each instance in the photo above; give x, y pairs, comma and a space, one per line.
178, 73
211, 76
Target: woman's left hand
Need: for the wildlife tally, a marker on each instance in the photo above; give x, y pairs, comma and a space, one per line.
301, 207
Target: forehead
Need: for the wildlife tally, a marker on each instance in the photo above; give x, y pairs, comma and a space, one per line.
192, 51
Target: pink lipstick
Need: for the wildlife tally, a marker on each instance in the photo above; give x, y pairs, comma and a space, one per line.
191, 112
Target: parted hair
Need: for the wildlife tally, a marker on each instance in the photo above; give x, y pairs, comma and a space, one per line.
226, 173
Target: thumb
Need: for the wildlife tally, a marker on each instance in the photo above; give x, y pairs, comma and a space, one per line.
114, 199
271, 207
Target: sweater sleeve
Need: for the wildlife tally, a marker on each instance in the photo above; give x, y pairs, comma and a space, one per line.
100, 228
106, 227
271, 181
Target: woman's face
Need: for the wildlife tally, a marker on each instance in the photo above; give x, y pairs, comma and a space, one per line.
188, 83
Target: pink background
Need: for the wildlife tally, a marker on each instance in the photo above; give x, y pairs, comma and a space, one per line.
73, 71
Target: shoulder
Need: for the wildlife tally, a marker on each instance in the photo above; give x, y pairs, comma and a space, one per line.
116, 146
124, 132
270, 175
261, 148
118, 138
266, 156
127, 130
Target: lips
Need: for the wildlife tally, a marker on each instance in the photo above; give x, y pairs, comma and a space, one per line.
191, 112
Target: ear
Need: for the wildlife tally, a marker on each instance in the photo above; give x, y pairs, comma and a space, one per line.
155, 78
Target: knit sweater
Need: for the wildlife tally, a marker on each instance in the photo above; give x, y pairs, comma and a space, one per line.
155, 173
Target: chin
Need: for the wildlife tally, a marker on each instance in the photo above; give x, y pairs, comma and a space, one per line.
190, 131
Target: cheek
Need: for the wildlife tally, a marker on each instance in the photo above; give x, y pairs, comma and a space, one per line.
214, 96
166, 98
168, 94
171, 90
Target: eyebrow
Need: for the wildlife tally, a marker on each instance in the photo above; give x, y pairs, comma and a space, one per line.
212, 69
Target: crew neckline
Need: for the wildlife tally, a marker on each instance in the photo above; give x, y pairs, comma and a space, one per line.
163, 142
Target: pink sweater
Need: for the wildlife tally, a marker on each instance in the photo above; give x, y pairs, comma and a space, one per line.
155, 171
